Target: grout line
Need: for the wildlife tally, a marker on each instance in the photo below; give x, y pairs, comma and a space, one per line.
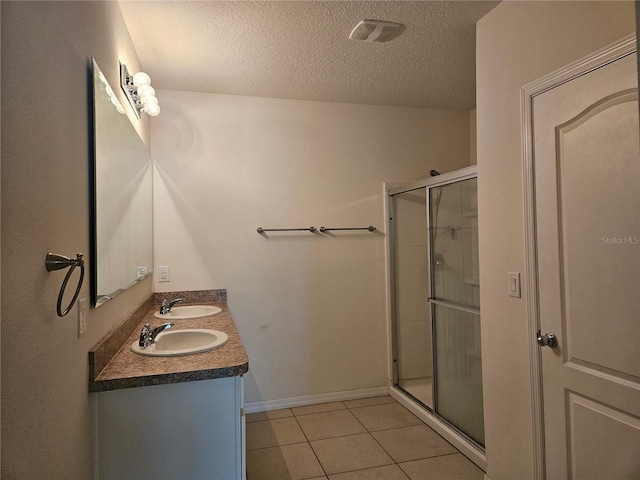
317, 413
276, 446
433, 456
367, 432
384, 450
370, 468
340, 436
310, 446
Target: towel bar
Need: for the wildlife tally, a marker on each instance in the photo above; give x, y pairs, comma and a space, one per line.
370, 228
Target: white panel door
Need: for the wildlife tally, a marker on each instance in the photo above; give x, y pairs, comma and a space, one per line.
587, 197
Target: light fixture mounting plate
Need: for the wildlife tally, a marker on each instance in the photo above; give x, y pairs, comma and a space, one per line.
126, 83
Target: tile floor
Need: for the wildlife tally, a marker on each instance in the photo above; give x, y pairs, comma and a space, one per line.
368, 439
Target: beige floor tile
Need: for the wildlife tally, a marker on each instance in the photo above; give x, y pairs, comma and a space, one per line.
271, 433
413, 443
451, 467
330, 424
319, 408
388, 472
383, 417
287, 462
270, 415
367, 402
354, 452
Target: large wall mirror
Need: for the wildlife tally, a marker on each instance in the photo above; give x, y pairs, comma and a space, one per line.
122, 192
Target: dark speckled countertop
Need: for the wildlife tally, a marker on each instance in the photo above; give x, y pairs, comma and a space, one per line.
126, 369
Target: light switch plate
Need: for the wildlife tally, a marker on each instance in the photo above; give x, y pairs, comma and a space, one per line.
514, 284
163, 274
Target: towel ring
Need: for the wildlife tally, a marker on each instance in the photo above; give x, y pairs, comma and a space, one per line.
58, 262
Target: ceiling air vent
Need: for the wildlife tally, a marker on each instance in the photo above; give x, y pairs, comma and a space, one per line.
375, 31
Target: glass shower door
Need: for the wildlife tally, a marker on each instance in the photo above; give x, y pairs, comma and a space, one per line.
436, 300
455, 306
413, 342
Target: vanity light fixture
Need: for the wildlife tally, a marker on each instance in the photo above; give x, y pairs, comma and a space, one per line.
139, 91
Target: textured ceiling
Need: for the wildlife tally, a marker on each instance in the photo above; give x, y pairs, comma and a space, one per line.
301, 49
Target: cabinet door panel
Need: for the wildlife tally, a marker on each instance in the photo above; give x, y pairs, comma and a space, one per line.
181, 430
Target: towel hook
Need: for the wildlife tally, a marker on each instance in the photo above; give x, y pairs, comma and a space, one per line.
58, 262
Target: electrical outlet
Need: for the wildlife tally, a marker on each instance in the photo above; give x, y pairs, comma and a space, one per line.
163, 274
82, 317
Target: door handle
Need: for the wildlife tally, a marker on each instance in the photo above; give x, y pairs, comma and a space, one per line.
549, 339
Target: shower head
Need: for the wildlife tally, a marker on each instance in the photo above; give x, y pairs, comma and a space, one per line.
434, 173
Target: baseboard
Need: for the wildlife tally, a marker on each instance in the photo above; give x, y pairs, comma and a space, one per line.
254, 407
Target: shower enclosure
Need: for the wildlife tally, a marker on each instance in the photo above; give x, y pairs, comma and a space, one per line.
435, 305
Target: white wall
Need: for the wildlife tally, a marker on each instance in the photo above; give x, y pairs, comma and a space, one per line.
473, 138
517, 43
46, 137
310, 307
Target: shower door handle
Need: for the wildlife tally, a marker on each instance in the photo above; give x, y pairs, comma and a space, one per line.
549, 339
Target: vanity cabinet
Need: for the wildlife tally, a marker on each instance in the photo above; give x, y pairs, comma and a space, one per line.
190, 430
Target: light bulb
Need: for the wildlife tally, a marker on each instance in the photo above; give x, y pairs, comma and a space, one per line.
140, 79
146, 90
152, 110
148, 101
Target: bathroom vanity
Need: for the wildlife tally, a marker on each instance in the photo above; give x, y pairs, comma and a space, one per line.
169, 417
154, 417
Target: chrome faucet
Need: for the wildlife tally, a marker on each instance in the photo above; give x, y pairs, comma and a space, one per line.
148, 335
166, 306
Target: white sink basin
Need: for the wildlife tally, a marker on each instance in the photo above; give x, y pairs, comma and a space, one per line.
172, 343
185, 312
